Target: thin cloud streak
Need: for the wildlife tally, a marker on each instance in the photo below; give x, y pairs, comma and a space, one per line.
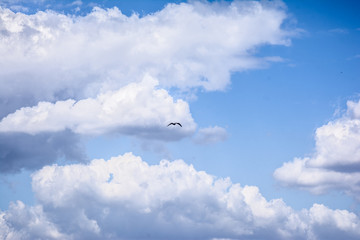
210, 135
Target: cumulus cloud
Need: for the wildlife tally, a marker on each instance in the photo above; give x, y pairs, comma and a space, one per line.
336, 161
137, 109
52, 56
125, 198
70, 73
30, 222
210, 135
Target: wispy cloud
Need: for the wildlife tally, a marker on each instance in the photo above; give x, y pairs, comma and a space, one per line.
274, 59
211, 135
339, 31
354, 57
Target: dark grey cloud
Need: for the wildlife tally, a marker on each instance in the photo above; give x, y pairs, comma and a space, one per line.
9, 105
24, 151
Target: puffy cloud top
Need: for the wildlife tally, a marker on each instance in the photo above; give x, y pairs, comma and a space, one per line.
125, 198
138, 109
84, 74
48, 55
336, 161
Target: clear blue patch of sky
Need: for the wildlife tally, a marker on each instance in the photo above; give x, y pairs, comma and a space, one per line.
15, 187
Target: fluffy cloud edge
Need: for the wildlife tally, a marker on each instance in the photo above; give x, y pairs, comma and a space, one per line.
335, 164
126, 198
139, 109
54, 56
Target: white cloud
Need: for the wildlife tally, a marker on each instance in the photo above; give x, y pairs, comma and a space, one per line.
138, 109
63, 72
29, 222
336, 161
125, 198
211, 135
51, 56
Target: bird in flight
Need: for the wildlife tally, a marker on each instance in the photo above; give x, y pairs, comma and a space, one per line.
174, 123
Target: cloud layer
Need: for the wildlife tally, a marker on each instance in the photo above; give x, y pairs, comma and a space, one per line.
125, 198
35, 136
70, 73
336, 161
51, 56
137, 109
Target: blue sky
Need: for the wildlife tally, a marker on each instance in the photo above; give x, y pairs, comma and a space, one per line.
267, 93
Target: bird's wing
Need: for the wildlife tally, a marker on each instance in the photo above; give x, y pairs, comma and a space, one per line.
179, 124
169, 124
